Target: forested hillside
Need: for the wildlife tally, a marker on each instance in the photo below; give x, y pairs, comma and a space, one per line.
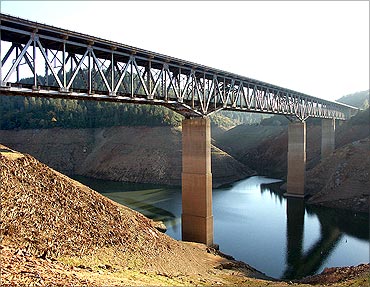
18, 112
29, 113
358, 99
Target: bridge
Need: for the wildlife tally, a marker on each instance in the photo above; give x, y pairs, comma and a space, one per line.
40, 60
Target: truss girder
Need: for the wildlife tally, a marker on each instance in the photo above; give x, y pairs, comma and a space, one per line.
79, 66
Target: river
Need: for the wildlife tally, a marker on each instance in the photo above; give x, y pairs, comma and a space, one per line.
283, 238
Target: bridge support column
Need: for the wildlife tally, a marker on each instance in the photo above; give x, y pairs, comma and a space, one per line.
327, 137
296, 159
197, 218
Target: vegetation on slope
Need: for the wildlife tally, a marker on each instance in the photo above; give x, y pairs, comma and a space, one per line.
358, 99
17, 112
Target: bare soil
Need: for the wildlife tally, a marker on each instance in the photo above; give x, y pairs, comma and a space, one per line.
133, 154
343, 179
57, 232
54, 227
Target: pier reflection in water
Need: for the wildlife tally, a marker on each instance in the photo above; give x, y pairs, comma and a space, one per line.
284, 238
301, 263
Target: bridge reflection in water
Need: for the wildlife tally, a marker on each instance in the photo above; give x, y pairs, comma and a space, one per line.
301, 263
334, 224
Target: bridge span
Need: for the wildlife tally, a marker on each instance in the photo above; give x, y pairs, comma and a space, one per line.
40, 60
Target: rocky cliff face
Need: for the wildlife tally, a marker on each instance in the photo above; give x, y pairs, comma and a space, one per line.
135, 154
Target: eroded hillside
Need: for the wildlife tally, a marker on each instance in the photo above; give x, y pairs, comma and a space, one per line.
343, 180
135, 154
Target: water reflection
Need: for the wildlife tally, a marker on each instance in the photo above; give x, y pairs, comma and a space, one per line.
301, 263
294, 231
284, 238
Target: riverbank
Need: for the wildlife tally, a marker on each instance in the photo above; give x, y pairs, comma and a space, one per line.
129, 154
56, 231
153, 155
22, 269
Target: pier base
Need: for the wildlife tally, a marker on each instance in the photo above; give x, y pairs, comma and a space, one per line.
197, 218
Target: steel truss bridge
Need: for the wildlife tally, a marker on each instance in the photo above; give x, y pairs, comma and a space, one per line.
44, 61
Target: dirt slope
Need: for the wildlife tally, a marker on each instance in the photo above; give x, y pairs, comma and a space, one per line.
135, 154
339, 181
268, 155
57, 232
342, 180
242, 138
46, 215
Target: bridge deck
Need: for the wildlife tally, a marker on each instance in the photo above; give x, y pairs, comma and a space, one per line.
42, 60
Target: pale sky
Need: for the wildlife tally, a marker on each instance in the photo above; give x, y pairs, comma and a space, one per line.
315, 47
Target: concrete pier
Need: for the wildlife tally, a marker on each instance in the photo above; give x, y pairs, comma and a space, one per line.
296, 159
197, 218
327, 137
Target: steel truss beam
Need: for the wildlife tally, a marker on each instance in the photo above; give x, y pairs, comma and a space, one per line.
67, 64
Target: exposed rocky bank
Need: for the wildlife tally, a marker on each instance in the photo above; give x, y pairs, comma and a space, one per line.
153, 155
343, 179
134, 154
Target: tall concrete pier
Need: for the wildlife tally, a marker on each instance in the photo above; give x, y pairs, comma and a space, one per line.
296, 159
197, 218
328, 137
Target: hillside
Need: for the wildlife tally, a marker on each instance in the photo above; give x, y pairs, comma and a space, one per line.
47, 216
135, 154
269, 157
241, 138
19, 112
57, 232
343, 179
359, 100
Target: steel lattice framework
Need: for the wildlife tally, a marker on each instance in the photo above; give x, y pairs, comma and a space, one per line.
45, 61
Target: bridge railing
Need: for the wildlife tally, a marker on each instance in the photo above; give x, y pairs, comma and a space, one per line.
41, 60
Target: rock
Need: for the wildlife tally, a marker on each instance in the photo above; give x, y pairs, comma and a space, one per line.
160, 226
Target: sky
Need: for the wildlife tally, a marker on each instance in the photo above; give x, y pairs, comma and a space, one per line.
315, 47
